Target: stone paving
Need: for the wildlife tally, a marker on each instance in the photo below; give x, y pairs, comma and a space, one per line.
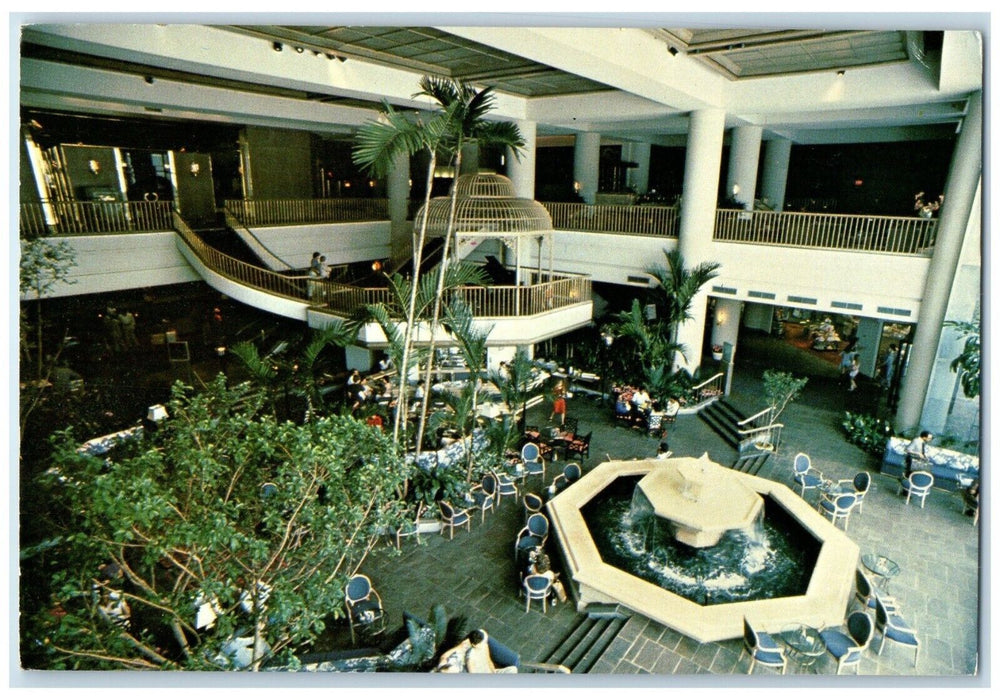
936, 547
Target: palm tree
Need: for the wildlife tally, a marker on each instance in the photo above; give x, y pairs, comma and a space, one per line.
675, 287
380, 142
469, 107
460, 322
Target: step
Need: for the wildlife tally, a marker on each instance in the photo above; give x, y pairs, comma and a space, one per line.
566, 646
577, 655
598, 648
598, 611
725, 430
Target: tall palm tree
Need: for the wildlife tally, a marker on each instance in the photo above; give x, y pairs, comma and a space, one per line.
380, 142
676, 286
469, 107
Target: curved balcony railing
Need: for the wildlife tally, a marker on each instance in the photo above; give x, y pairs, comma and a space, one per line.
495, 301
544, 294
642, 219
65, 218
272, 212
901, 235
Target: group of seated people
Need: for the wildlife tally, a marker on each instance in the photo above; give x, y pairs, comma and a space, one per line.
634, 405
471, 655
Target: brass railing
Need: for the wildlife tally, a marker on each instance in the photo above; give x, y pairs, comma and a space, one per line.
901, 235
544, 294
62, 218
647, 220
246, 274
270, 212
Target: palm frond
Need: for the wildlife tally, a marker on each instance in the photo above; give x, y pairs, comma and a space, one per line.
379, 142
260, 368
500, 134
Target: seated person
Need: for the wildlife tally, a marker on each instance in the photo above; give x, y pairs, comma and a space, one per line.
471, 655
622, 407
642, 403
543, 567
663, 452
673, 406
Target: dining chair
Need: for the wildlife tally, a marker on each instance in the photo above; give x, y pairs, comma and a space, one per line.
453, 517
364, 606
892, 626
762, 648
838, 507
848, 648
918, 485
532, 460
804, 475
505, 486
537, 587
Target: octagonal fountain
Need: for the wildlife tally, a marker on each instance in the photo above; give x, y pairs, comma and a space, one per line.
698, 547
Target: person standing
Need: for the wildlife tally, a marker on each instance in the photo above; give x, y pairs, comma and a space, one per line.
916, 452
889, 365
127, 323
559, 402
112, 329
852, 373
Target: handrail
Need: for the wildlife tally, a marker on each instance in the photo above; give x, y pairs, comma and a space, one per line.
237, 270
255, 244
64, 217
648, 220
900, 235
755, 416
269, 212
708, 381
343, 299
770, 427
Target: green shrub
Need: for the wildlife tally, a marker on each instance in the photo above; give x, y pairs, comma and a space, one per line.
867, 432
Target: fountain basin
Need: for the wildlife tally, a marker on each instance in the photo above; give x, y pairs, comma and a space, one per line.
595, 581
700, 499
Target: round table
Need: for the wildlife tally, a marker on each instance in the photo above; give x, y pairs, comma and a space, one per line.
882, 566
805, 645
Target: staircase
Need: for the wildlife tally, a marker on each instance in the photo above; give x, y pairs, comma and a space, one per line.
583, 647
751, 463
226, 241
721, 417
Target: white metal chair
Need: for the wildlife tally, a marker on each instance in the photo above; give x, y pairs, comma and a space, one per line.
917, 485
537, 587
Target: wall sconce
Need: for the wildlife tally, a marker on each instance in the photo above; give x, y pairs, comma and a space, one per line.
156, 413
220, 351
720, 318
576, 186
195, 169
841, 73
376, 266
94, 166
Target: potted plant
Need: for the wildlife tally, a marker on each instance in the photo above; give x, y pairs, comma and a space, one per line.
716, 352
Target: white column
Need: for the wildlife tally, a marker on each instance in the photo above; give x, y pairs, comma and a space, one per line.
398, 191
960, 192
701, 183
522, 172
637, 152
744, 156
587, 164
777, 154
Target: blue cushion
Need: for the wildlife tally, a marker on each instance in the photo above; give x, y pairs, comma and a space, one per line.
901, 636
536, 584
533, 467
766, 641
769, 657
529, 542
459, 519
837, 642
808, 479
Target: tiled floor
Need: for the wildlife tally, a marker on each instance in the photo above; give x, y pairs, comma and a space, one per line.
936, 547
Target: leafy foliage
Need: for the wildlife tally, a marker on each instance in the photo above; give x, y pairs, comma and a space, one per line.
220, 501
780, 389
968, 362
867, 432
675, 287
